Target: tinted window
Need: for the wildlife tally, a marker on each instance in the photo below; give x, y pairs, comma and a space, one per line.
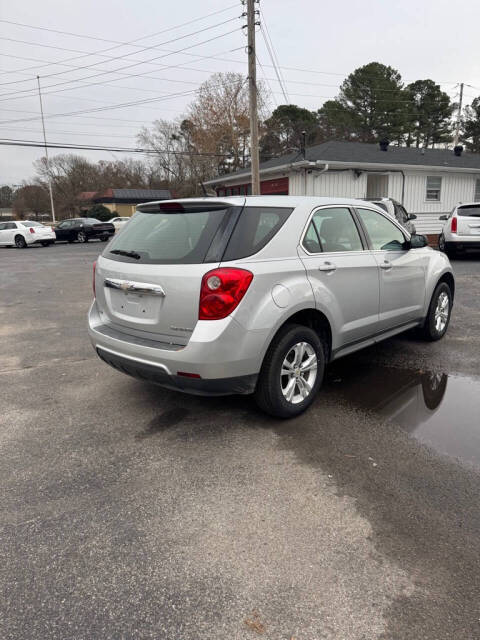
311, 241
162, 237
2, 226
88, 220
471, 210
336, 230
10, 225
384, 235
31, 223
254, 229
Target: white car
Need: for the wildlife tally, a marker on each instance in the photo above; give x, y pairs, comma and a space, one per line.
23, 233
119, 223
461, 231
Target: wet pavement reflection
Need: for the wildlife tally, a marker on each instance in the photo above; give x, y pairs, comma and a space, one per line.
440, 410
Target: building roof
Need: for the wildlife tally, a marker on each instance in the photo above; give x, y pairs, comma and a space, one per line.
86, 195
119, 195
360, 153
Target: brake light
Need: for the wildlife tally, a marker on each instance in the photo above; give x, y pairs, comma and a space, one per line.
453, 226
32, 230
221, 292
94, 270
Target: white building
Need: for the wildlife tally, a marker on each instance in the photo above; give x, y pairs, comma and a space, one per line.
428, 182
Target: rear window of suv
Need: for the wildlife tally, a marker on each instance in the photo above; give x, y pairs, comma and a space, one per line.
174, 233
255, 228
470, 210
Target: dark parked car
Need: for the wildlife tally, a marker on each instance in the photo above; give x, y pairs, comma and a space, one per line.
84, 229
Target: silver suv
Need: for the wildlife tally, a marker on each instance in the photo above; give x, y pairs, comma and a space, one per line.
256, 295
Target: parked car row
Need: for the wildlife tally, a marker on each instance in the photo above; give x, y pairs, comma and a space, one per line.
24, 233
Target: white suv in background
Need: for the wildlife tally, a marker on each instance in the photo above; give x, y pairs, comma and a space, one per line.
23, 233
461, 230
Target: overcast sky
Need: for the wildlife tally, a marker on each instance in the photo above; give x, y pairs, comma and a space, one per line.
326, 40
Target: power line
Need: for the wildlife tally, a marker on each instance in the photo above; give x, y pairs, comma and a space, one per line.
274, 57
117, 43
144, 75
110, 107
129, 66
13, 142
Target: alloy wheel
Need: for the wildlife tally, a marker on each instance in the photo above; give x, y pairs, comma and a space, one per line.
441, 312
298, 372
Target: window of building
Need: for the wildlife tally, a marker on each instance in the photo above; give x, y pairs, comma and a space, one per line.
434, 187
477, 190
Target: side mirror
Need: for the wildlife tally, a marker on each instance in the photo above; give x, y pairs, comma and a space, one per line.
412, 216
443, 217
417, 241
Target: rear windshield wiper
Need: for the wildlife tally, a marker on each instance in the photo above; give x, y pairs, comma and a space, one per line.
129, 254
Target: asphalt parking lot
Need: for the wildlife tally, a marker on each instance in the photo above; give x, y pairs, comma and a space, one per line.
128, 511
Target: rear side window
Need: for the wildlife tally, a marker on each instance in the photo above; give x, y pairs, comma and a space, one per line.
176, 236
31, 223
471, 210
254, 230
382, 205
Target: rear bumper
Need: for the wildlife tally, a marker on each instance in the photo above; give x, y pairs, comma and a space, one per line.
463, 244
158, 375
48, 237
102, 234
224, 357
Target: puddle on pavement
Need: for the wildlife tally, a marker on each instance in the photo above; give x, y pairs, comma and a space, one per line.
440, 410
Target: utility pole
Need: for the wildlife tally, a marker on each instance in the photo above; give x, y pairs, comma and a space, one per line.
46, 152
459, 117
252, 93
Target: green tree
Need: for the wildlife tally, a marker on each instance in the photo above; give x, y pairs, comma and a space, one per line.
430, 112
370, 105
100, 212
471, 126
283, 130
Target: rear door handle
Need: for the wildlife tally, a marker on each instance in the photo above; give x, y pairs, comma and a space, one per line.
327, 266
135, 287
386, 265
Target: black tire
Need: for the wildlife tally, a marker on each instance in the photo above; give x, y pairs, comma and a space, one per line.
442, 245
103, 238
430, 331
268, 394
82, 237
20, 242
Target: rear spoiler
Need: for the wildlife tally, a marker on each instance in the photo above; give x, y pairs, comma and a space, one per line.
185, 206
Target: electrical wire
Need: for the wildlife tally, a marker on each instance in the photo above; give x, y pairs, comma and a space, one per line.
275, 60
13, 142
129, 66
117, 43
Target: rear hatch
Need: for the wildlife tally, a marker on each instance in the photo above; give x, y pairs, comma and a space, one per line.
468, 218
148, 279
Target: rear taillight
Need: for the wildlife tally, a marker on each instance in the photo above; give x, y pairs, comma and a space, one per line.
94, 269
221, 291
32, 230
453, 225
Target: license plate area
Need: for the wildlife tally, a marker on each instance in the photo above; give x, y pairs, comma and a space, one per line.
134, 306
